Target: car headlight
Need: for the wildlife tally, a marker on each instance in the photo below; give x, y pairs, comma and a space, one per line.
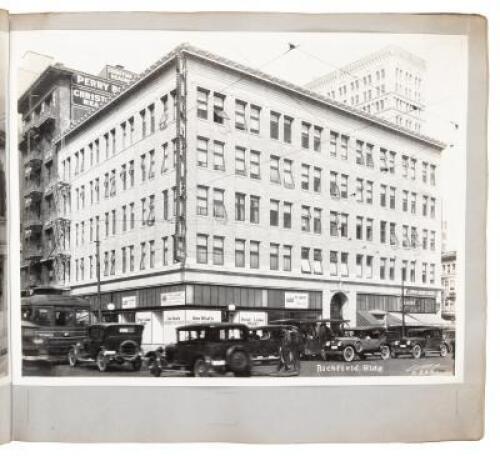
328, 343
339, 343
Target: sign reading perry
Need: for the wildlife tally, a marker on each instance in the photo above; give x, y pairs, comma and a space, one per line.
92, 92
96, 84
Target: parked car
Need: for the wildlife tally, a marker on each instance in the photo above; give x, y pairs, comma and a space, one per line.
281, 344
109, 343
419, 341
345, 344
449, 340
315, 333
205, 349
373, 340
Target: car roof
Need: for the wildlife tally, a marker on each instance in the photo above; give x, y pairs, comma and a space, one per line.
366, 328
273, 326
108, 325
196, 326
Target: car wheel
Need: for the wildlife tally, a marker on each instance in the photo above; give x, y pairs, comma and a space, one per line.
137, 364
239, 363
417, 351
200, 368
155, 370
385, 352
443, 350
349, 354
72, 358
102, 362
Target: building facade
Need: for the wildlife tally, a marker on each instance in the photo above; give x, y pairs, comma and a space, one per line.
388, 83
59, 97
209, 191
448, 281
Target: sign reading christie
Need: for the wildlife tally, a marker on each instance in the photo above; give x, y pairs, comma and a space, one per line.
92, 92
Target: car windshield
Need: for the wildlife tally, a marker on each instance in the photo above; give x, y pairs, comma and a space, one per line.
231, 334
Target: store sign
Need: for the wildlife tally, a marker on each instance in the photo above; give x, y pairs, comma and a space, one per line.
85, 98
95, 84
296, 300
173, 298
203, 316
129, 302
118, 74
252, 318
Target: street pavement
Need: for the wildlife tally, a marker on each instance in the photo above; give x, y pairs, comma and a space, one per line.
434, 365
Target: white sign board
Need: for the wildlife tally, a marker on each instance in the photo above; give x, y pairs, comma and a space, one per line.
173, 298
296, 300
252, 318
129, 302
203, 316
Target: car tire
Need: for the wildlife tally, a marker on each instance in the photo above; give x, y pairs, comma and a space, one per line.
239, 364
349, 354
72, 358
443, 350
417, 352
385, 352
200, 368
137, 364
101, 362
155, 370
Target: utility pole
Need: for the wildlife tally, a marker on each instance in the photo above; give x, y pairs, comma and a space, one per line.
403, 277
98, 272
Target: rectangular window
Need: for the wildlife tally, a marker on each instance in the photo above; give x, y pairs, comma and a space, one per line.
287, 258
305, 177
164, 161
151, 173
306, 219
382, 268
165, 250
201, 200
132, 216
143, 168
202, 248
334, 224
143, 256
254, 119
392, 234
287, 129
383, 232
124, 260
218, 251
274, 125
333, 143
239, 253
240, 161
392, 268
392, 197
344, 264
274, 257
344, 147
131, 258
317, 261
344, 186
305, 263
433, 175
288, 181
202, 152
369, 230
254, 254
274, 169
219, 162
255, 164
305, 135
359, 266
360, 158
287, 215
254, 209
334, 263
202, 103
239, 207
218, 201
240, 115
359, 190
131, 172
274, 213
165, 204
317, 139
369, 267
317, 180
344, 229
317, 221
219, 114
359, 228
369, 155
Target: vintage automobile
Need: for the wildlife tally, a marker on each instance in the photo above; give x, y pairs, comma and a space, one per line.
51, 323
205, 349
107, 344
315, 334
361, 341
270, 344
418, 341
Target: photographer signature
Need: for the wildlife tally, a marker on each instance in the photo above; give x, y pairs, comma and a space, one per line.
424, 369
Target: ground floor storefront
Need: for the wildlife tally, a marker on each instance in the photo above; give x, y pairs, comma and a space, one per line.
161, 309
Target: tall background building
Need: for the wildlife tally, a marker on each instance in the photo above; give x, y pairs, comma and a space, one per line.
388, 83
51, 103
209, 196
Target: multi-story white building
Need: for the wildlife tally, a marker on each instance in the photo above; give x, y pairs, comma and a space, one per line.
388, 83
448, 280
217, 191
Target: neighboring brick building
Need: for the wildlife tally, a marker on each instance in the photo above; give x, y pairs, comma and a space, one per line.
212, 185
59, 97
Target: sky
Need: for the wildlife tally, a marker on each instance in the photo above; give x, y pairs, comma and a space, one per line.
445, 79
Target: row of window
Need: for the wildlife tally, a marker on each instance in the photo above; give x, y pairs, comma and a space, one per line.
248, 118
247, 253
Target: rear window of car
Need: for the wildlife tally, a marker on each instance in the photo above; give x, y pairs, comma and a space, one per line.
231, 334
127, 330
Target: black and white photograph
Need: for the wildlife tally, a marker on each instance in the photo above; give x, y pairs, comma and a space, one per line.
240, 204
